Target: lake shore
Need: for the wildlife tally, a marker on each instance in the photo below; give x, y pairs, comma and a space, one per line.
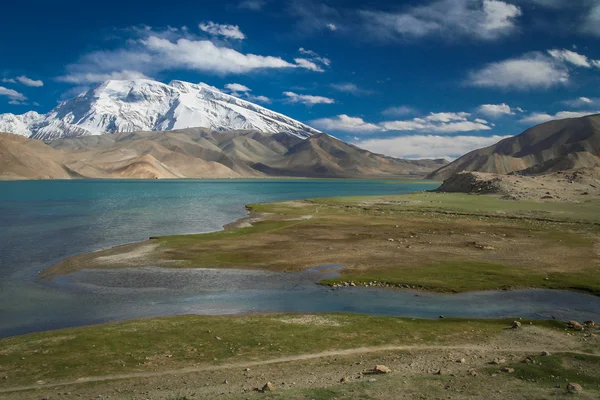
438, 242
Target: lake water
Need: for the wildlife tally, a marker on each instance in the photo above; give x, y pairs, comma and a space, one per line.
42, 222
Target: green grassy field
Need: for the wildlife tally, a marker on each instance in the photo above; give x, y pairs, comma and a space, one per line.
178, 342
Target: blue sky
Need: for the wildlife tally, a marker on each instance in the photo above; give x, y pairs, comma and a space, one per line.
413, 79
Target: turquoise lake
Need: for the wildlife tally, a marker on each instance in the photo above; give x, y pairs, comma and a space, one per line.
42, 222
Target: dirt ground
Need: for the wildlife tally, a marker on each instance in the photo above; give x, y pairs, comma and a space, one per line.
418, 371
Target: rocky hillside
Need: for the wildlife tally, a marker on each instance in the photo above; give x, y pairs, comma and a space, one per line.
552, 146
571, 186
198, 153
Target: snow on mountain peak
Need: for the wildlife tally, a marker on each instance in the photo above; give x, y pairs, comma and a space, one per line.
145, 105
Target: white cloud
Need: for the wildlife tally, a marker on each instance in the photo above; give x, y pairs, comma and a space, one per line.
444, 122
204, 55
428, 146
260, 99
237, 87
242, 91
155, 52
345, 123
29, 82
447, 116
398, 111
419, 124
312, 60
533, 70
538, 118
331, 27
307, 99
496, 110
591, 22
307, 64
79, 78
226, 31
583, 102
570, 57
450, 19
24, 81
13, 95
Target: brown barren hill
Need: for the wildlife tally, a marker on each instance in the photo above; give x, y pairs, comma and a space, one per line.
549, 147
199, 153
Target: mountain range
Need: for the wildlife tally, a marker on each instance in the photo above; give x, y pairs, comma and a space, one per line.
198, 153
549, 147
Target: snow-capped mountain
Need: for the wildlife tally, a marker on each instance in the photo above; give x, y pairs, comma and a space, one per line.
19, 124
146, 105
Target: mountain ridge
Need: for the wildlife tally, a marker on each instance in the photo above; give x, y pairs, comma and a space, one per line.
199, 153
116, 106
548, 147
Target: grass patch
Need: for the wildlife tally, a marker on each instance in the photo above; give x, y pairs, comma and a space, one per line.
457, 277
560, 369
178, 342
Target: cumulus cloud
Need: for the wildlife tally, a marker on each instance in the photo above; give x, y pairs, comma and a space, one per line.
427, 146
224, 30
483, 20
531, 71
243, 91
538, 118
574, 58
13, 95
307, 64
237, 87
345, 123
24, 81
496, 110
176, 49
29, 82
443, 122
331, 27
307, 99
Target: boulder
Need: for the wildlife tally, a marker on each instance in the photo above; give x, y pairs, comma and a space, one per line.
516, 325
575, 325
508, 370
589, 323
269, 387
574, 388
381, 369
345, 380
545, 353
